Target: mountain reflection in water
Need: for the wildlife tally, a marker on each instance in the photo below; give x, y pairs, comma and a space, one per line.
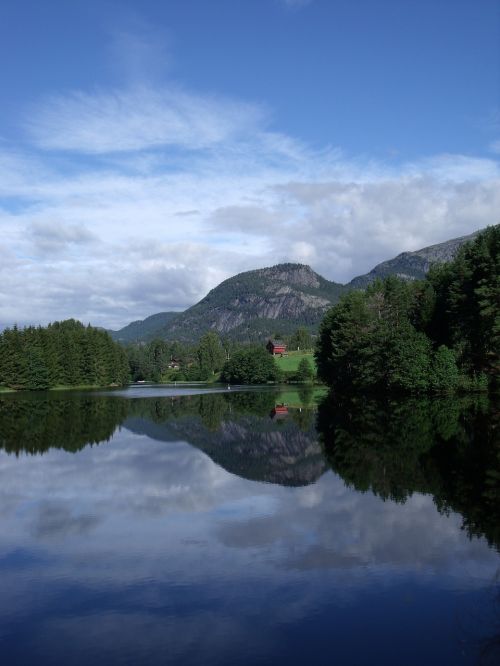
448, 447
235, 429
203, 529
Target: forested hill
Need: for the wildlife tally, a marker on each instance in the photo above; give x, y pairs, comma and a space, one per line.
65, 353
143, 329
277, 300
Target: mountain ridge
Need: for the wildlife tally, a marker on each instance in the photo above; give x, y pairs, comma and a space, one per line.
275, 300
413, 265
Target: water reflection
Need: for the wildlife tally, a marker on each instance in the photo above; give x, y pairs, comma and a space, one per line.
164, 545
239, 433
236, 430
482, 627
38, 422
448, 448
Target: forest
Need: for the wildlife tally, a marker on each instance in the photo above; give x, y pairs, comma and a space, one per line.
215, 358
440, 334
64, 353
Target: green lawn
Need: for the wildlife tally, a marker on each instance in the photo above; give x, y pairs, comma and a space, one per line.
291, 362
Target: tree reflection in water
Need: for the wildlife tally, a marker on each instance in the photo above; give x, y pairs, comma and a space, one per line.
447, 447
35, 423
234, 429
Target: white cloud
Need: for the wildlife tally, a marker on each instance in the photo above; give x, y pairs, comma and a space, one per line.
154, 196
354, 226
54, 236
249, 220
137, 119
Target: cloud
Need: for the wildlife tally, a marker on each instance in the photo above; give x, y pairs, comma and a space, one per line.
353, 226
246, 219
138, 119
141, 200
54, 236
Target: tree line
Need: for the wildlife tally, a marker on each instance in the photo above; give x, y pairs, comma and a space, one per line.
438, 334
65, 353
213, 358
70, 354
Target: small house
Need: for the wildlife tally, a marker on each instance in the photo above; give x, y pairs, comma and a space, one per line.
276, 347
279, 411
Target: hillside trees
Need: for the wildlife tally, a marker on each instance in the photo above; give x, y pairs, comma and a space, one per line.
467, 312
301, 339
63, 353
368, 341
436, 335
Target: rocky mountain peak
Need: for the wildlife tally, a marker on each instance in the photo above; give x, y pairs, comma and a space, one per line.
299, 275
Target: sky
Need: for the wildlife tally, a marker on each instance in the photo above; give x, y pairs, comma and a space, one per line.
149, 150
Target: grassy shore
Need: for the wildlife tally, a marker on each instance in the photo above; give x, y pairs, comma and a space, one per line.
290, 363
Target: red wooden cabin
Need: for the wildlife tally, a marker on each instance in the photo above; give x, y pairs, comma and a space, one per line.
279, 411
276, 347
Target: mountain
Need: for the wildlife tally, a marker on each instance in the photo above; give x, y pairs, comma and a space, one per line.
413, 265
257, 304
145, 329
276, 300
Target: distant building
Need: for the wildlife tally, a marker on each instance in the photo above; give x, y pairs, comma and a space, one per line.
276, 347
279, 411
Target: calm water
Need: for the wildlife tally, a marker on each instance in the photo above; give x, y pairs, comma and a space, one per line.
140, 527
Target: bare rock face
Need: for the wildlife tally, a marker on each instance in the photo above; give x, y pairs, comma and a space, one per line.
248, 304
293, 274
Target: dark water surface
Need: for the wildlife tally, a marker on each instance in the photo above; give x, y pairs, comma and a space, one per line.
140, 527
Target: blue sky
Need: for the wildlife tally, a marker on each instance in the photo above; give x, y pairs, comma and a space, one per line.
150, 149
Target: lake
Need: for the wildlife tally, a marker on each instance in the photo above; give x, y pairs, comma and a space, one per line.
177, 526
